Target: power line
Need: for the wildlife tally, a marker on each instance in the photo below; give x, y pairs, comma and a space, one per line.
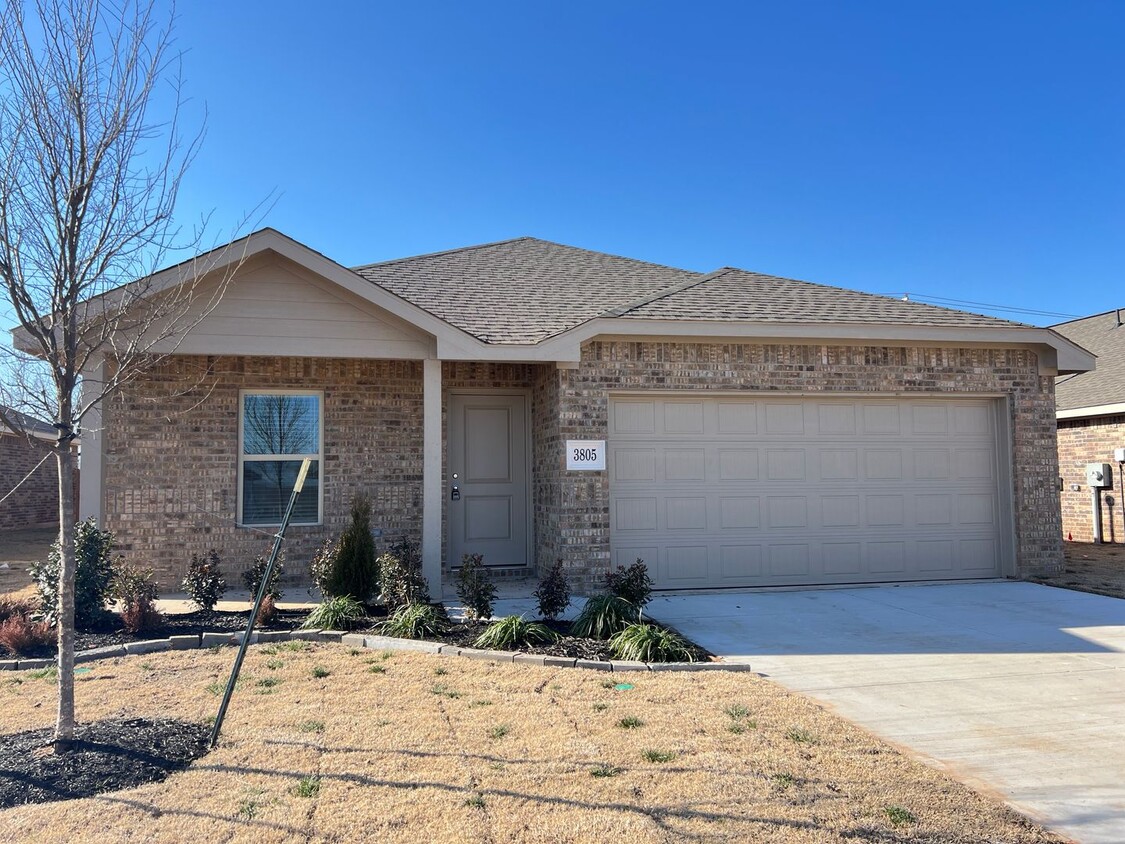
926, 298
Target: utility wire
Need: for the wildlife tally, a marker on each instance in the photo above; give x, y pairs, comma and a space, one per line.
12, 491
926, 298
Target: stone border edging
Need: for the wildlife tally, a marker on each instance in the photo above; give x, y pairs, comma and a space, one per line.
368, 642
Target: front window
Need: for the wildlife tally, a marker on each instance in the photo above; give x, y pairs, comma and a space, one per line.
278, 431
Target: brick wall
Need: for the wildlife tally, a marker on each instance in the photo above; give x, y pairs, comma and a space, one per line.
578, 516
1083, 441
36, 502
171, 442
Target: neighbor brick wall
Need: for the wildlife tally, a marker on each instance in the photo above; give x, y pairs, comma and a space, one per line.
1083, 441
578, 515
36, 502
171, 441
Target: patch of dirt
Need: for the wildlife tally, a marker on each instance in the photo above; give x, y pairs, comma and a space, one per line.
107, 756
1091, 568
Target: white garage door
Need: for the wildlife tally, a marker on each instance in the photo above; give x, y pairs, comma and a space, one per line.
769, 492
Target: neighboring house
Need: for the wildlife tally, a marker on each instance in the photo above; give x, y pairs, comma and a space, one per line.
1091, 422
36, 502
758, 430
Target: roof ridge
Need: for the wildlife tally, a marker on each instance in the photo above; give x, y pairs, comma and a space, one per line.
621, 310
440, 252
516, 240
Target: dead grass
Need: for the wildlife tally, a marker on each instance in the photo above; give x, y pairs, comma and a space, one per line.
1091, 568
503, 753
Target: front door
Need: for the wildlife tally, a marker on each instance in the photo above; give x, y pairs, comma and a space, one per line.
487, 479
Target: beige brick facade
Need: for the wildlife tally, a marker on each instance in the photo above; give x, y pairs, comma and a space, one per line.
1083, 441
172, 439
36, 502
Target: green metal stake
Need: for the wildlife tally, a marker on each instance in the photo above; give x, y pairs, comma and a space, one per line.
277, 540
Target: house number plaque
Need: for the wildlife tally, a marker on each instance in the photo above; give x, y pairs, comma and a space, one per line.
585, 455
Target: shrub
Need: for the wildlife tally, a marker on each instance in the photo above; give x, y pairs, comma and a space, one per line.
649, 643
267, 612
342, 613
204, 582
10, 607
135, 588
400, 576
633, 584
416, 621
475, 588
353, 572
92, 577
604, 616
22, 636
323, 563
553, 593
512, 632
252, 577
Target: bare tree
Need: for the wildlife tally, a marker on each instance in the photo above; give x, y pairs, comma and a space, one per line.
91, 161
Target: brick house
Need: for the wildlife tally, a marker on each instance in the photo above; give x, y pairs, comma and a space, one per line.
36, 502
1091, 423
531, 401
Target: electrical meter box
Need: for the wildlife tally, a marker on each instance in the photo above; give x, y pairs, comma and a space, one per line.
1119, 455
1099, 476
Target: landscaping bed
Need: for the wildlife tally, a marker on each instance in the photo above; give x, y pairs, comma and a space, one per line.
325, 743
1091, 568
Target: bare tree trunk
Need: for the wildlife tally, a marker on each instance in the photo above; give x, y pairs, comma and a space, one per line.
64, 725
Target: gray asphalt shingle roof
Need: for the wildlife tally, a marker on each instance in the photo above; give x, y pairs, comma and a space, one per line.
1101, 335
522, 290
738, 295
526, 290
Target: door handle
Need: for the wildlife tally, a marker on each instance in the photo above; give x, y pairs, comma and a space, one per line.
455, 493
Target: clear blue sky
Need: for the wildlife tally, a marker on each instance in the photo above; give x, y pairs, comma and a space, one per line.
968, 150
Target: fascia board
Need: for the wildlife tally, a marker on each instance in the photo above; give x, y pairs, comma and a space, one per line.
1092, 410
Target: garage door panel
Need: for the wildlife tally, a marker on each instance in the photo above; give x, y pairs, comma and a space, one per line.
817, 490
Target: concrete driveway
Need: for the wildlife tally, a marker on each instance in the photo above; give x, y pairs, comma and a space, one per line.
1012, 687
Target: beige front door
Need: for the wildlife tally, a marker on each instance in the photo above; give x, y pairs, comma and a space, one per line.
487, 479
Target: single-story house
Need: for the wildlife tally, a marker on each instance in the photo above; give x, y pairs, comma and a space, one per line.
35, 481
1091, 422
530, 401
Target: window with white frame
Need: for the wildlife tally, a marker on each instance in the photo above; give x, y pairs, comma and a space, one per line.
278, 429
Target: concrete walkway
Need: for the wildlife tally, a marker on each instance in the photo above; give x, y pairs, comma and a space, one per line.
1011, 687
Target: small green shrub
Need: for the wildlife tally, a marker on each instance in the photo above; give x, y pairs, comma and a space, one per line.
376, 669
603, 771
513, 632
604, 616
354, 572
442, 690
783, 781
801, 735
204, 581
633, 583
736, 711
649, 643
341, 613
552, 596
323, 563
475, 588
658, 756
136, 589
308, 787
630, 722
93, 575
416, 621
475, 802
252, 577
311, 726
499, 731
400, 576
898, 815
320, 672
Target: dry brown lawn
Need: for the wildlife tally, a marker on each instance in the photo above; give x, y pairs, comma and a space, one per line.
417, 748
1091, 568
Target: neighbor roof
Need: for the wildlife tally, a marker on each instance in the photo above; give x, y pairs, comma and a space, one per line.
525, 290
1104, 335
26, 424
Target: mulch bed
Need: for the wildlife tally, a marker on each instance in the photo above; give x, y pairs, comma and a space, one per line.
571, 647
107, 756
177, 624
